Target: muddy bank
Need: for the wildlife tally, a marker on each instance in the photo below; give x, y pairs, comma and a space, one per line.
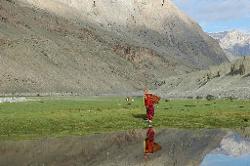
178, 147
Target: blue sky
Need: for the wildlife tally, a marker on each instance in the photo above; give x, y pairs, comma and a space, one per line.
218, 15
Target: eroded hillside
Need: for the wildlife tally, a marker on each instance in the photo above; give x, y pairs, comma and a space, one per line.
51, 48
229, 80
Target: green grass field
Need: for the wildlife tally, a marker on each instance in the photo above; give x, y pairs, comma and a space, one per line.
83, 116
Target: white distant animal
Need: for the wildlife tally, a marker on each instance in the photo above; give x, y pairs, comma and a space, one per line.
129, 99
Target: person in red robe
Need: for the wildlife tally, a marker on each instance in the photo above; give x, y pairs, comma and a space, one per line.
149, 101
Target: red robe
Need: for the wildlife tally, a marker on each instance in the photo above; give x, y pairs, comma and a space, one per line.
149, 101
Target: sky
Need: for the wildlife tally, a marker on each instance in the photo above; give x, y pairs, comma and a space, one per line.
218, 15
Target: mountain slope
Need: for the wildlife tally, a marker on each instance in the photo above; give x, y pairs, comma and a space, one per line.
218, 81
42, 53
145, 23
61, 50
235, 43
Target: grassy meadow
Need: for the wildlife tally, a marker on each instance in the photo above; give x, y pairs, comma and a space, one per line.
54, 117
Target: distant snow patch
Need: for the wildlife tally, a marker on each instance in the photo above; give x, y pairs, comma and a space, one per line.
12, 99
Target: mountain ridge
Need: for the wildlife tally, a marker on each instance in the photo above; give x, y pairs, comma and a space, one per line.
147, 24
235, 43
45, 53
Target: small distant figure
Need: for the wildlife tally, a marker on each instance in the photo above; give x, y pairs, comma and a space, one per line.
162, 2
94, 5
129, 100
159, 84
149, 143
149, 101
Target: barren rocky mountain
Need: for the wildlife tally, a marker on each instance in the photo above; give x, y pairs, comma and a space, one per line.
235, 43
97, 47
229, 80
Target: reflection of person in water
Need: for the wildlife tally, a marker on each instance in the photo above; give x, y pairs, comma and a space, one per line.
149, 144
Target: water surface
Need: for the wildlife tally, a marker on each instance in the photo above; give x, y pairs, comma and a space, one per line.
164, 147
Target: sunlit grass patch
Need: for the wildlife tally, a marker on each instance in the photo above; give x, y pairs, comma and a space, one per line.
70, 116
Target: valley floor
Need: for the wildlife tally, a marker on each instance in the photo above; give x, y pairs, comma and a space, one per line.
61, 116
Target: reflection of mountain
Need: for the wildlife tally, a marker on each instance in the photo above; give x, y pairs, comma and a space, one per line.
234, 145
233, 151
179, 148
234, 43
